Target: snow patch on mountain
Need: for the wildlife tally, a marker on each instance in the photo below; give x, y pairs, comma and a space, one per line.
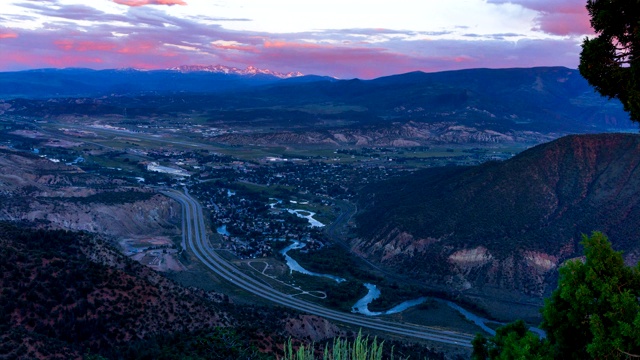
221, 69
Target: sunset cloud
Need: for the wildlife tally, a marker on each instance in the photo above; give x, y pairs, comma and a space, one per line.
278, 44
557, 17
101, 34
233, 45
137, 3
7, 35
82, 46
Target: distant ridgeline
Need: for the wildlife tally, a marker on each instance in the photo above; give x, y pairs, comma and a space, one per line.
78, 82
506, 226
545, 99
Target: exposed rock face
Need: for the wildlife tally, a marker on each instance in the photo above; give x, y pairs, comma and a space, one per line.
505, 228
222, 69
470, 258
36, 189
397, 134
141, 217
312, 327
541, 261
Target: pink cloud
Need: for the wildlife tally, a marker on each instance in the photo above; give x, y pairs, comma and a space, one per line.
150, 44
564, 24
341, 61
11, 59
6, 34
82, 46
149, 48
142, 47
235, 47
34, 60
136, 3
127, 48
293, 45
557, 17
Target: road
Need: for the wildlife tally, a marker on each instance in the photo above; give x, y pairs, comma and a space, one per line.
195, 239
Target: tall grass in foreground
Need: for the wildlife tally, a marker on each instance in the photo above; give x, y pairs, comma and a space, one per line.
342, 349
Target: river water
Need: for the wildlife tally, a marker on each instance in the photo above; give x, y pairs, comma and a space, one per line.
480, 321
222, 230
362, 305
294, 266
305, 214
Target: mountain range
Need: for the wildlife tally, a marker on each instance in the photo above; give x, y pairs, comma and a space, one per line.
79, 82
530, 105
504, 228
248, 71
499, 230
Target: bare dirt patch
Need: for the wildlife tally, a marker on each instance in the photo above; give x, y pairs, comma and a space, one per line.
62, 143
31, 134
157, 252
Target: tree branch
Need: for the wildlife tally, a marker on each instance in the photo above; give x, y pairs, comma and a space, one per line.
628, 354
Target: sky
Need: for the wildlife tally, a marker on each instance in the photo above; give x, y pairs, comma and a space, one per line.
341, 38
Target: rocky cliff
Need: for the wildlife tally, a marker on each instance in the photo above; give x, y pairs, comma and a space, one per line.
36, 189
505, 227
398, 134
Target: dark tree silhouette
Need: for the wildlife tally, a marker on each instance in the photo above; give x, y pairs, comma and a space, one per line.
611, 61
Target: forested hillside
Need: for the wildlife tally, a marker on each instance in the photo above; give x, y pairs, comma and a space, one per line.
506, 225
65, 294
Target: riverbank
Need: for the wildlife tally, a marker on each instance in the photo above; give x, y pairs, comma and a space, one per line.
361, 306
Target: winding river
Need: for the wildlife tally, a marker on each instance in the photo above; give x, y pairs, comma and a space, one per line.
362, 305
305, 214
294, 266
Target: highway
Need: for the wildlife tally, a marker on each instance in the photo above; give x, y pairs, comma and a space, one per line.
195, 239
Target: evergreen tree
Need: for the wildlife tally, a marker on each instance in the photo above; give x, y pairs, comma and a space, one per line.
611, 61
512, 341
593, 314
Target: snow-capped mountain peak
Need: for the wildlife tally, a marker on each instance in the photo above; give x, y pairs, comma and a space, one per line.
221, 69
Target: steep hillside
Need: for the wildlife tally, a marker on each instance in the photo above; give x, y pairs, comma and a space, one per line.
539, 99
63, 294
37, 189
505, 227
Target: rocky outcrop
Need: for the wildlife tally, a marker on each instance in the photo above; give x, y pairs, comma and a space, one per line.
470, 258
505, 228
153, 216
406, 134
38, 190
311, 327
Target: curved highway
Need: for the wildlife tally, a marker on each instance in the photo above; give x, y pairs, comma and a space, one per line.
194, 238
